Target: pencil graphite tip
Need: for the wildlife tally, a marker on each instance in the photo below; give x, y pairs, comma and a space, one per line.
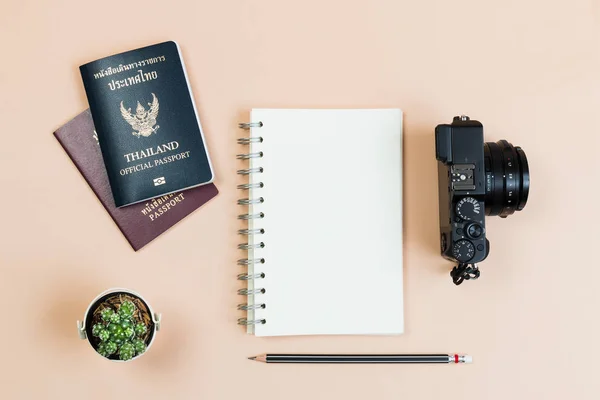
259, 358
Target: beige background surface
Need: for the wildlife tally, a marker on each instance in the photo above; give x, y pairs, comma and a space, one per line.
529, 70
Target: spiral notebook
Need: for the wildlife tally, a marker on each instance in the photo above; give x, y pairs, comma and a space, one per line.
322, 196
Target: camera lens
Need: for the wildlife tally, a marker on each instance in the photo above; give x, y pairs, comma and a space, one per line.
506, 178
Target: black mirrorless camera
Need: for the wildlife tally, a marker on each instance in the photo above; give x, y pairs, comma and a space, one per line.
476, 179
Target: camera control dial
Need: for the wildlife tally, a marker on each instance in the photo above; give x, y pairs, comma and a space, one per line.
468, 209
463, 250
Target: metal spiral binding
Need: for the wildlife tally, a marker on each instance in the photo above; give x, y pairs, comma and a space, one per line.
247, 156
245, 261
245, 277
247, 246
248, 125
249, 171
244, 321
246, 307
250, 276
246, 292
251, 216
245, 202
249, 232
247, 186
250, 140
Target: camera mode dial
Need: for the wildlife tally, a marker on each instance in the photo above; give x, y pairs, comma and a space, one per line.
463, 250
468, 209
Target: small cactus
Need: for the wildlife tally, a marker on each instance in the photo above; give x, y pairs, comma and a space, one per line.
104, 335
140, 329
115, 318
102, 349
96, 329
111, 348
139, 345
119, 333
127, 351
106, 314
127, 309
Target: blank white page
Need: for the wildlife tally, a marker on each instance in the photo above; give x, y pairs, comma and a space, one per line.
332, 221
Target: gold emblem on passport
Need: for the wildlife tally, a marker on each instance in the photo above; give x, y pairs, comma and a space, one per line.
142, 121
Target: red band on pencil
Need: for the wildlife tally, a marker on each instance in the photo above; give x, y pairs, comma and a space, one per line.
456, 359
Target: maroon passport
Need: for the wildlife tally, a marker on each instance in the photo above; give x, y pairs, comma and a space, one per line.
141, 222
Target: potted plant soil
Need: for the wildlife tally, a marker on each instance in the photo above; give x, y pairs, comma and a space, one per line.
119, 324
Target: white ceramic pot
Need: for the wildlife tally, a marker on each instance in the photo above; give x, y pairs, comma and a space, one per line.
84, 327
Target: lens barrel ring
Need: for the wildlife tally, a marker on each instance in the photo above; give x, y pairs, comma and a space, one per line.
524, 172
507, 178
494, 186
512, 177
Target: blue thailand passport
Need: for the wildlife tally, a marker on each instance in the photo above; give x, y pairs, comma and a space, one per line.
147, 124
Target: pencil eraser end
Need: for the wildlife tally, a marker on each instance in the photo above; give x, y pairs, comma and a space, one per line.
468, 359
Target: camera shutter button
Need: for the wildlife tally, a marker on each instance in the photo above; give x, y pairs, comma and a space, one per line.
474, 231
